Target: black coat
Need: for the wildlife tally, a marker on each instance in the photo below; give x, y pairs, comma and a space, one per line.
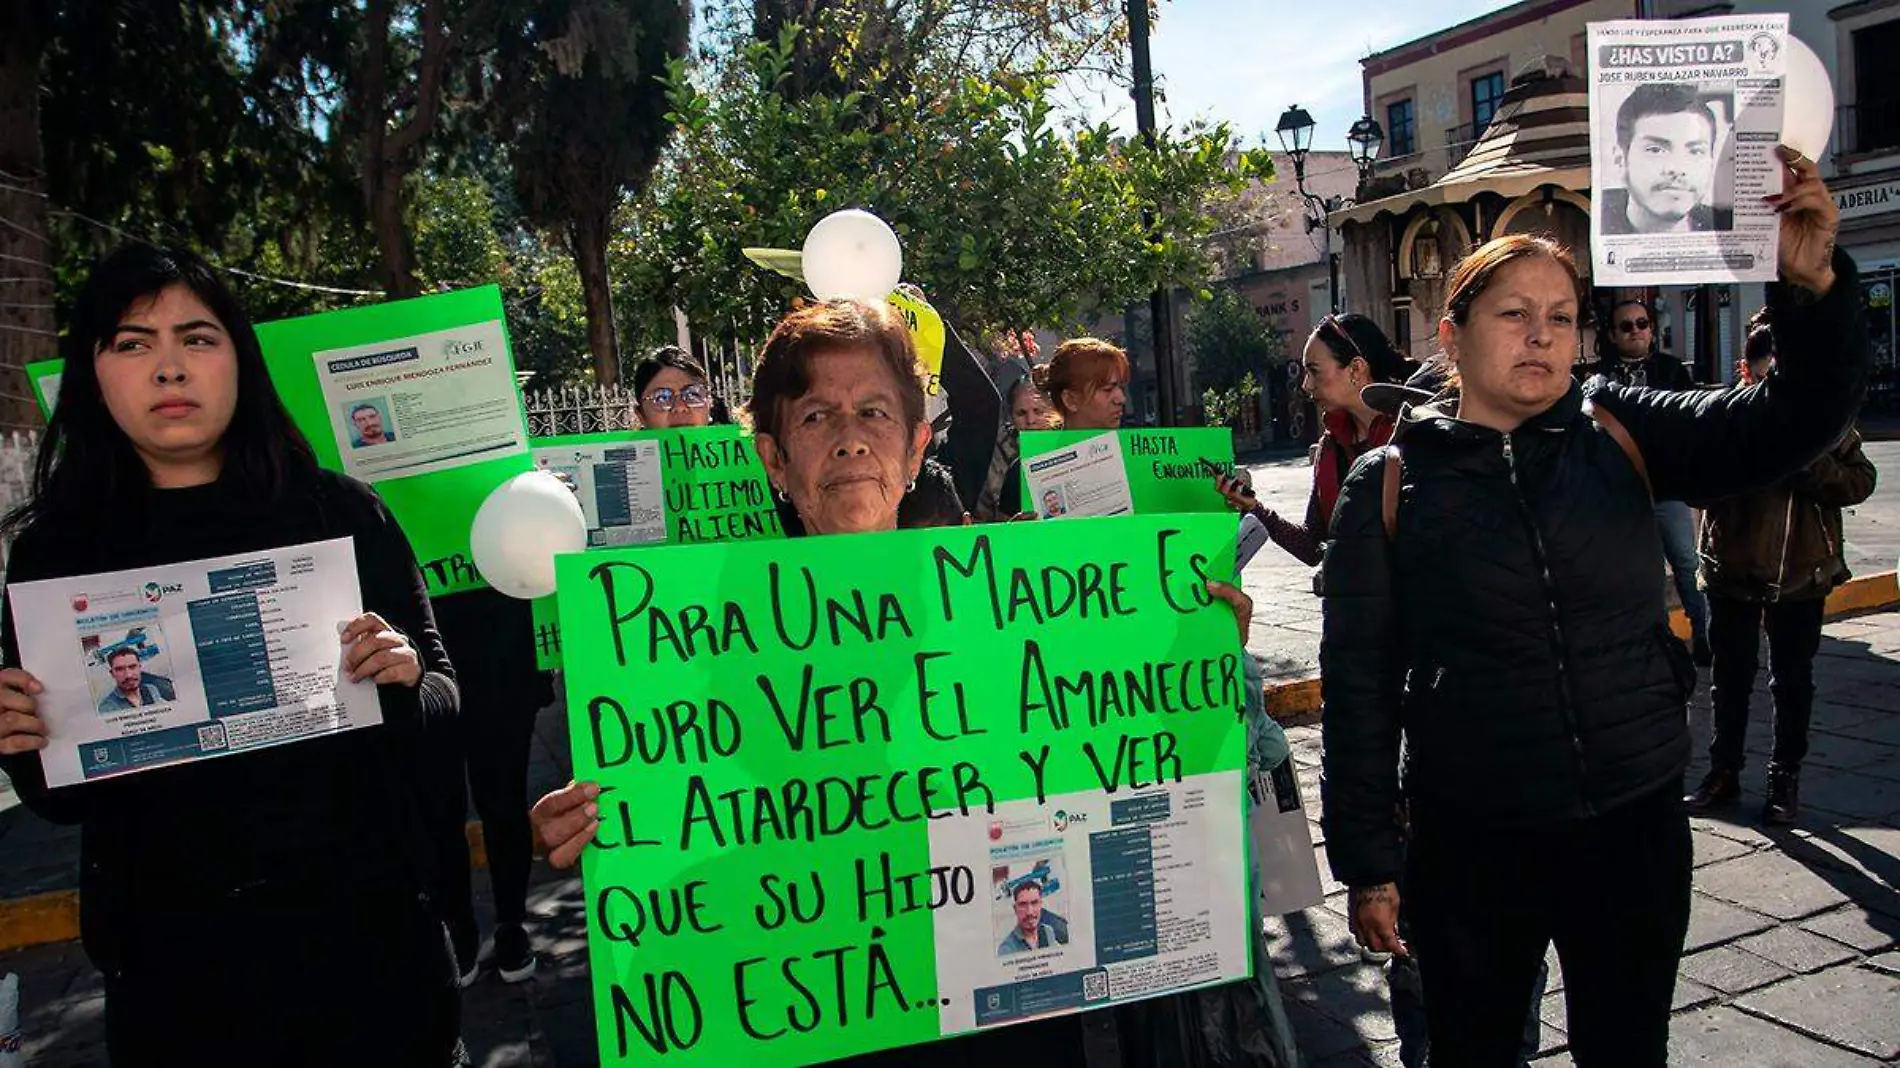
326, 823
1514, 629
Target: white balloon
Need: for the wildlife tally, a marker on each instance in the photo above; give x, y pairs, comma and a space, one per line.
1807, 101
852, 253
519, 529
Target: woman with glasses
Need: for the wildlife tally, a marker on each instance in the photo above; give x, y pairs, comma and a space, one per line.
1344, 355
672, 390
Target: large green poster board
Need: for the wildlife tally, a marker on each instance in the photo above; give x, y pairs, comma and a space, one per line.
710, 487
1169, 470
863, 791
417, 397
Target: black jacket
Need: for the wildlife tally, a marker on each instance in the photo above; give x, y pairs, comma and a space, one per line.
1783, 543
326, 823
1513, 630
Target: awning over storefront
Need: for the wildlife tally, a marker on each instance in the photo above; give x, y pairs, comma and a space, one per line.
1540, 136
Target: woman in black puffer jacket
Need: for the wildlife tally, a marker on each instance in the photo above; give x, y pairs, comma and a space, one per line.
1500, 611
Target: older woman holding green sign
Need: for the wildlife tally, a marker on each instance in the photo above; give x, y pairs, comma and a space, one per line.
838, 409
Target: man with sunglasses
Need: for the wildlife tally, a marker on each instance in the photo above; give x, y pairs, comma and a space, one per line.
1627, 354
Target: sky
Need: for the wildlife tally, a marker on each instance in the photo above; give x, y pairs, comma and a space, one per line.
1245, 61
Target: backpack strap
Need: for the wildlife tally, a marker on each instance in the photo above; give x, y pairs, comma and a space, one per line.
1389, 503
1604, 418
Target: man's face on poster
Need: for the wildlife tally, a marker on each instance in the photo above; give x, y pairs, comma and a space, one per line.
1668, 168
369, 423
126, 672
1028, 910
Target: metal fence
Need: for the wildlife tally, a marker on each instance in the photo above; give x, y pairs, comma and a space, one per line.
17, 450
579, 410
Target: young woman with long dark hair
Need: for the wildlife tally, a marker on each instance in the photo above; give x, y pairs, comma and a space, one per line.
267, 907
1344, 355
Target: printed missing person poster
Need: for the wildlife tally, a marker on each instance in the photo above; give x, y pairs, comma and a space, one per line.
865, 791
1167, 470
640, 487
163, 665
417, 397
1685, 115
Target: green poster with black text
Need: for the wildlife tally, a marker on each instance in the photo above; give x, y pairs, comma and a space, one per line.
864, 791
1169, 470
636, 487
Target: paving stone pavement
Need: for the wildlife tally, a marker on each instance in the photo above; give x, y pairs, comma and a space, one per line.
1793, 953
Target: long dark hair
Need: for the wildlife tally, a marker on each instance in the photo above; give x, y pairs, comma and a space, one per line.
86, 463
1352, 335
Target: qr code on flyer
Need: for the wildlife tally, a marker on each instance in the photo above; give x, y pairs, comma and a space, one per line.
211, 737
1095, 986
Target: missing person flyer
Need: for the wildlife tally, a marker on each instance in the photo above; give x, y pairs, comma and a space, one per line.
417, 405
1093, 898
619, 486
1086, 478
161, 665
1685, 115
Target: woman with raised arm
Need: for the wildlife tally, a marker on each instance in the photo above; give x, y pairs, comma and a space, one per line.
1491, 599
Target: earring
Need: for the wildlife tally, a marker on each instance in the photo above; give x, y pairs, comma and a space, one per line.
909, 485
779, 492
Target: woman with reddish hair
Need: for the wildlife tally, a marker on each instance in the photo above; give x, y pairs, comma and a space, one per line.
1088, 384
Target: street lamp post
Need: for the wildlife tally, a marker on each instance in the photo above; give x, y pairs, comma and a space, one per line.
1296, 139
1161, 302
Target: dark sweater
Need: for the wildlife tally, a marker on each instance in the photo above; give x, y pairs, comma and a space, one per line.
326, 821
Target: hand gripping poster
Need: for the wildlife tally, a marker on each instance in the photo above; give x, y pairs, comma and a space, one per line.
1685, 115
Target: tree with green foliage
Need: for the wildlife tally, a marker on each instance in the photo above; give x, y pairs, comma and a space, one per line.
1008, 221
26, 251
583, 108
1227, 340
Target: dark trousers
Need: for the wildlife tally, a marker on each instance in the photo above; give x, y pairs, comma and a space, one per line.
491, 744
499, 729
1611, 891
313, 984
1794, 636
488, 638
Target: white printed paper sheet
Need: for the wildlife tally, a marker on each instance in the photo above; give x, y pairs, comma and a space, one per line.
417, 405
1685, 115
619, 486
1086, 478
162, 665
1094, 899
